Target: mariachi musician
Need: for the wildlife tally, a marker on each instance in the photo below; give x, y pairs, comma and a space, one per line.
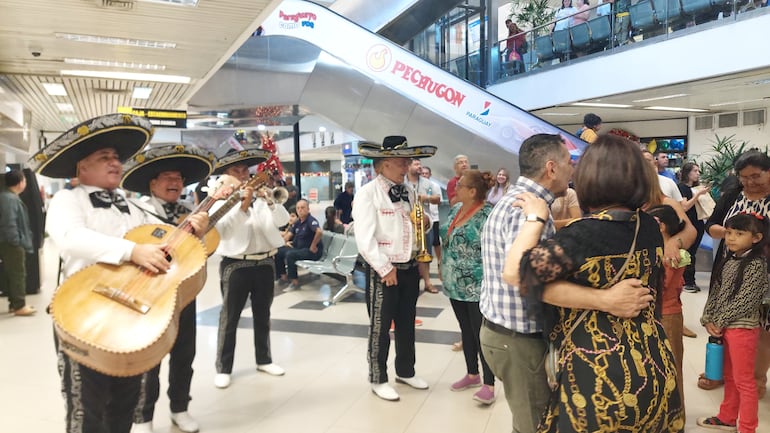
250, 240
161, 174
87, 224
386, 240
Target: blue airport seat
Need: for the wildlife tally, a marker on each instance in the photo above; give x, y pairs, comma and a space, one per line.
669, 11
562, 45
601, 32
696, 7
643, 17
544, 48
581, 36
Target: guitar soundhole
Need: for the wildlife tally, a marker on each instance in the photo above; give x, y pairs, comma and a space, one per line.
158, 233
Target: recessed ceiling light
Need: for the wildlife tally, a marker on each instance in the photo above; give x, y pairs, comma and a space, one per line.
65, 107
558, 114
115, 64
678, 95
687, 110
141, 92
261, 127
722, 104
601, 105
135, 76
190, 3
55, 89
69, 119
114, 41
321, 129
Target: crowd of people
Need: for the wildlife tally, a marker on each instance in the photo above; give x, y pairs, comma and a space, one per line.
566, 282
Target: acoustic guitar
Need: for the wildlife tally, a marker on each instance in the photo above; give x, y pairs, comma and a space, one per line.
210, 239
121, 320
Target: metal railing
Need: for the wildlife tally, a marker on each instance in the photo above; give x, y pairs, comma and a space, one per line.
646, 19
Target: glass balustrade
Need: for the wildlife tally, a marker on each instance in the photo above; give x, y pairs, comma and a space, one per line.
598, 29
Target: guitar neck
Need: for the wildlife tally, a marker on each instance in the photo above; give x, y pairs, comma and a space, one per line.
231, 201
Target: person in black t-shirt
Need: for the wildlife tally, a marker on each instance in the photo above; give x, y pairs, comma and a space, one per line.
344, 204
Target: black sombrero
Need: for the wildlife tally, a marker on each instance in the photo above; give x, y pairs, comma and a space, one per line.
246, 156
194, 164
395, 146
126, 133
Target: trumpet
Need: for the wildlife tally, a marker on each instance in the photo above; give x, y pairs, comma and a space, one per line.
418, 219
278, 194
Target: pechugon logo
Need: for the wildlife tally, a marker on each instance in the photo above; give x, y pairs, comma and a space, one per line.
378, 58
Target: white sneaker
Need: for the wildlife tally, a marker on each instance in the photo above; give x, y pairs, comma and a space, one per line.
222, 380
415, 382
271, 369
145, 427
185, 422
385, 391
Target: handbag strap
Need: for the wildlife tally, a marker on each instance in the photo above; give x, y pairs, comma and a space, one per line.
612, 282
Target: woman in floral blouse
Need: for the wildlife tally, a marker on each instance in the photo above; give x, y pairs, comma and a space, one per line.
461, 274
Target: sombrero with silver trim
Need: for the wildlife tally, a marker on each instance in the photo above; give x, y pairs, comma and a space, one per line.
193, 163
395, 146
246, 156
126, 133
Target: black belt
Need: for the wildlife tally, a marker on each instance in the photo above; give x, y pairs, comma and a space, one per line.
405, 266
505, 331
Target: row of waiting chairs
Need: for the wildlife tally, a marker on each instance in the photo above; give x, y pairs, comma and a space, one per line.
338, 260
593, 35
645, 16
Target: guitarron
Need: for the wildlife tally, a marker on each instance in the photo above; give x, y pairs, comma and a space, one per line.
121, 320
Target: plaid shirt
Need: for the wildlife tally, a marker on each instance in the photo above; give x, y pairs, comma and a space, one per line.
501, 303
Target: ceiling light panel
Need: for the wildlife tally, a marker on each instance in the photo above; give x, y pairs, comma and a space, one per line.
114, 41
686, 110
659, 98
55, 89
115, 64
722, 104
134, 76
601, 105
65, 108
141, 93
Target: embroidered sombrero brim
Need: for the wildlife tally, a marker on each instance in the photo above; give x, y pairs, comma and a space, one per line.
249, 157
126, 133
193, 163
375, 150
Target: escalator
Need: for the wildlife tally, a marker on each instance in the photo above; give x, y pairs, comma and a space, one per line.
326, 64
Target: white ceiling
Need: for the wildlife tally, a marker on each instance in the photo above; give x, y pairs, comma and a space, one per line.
205, 37
751, 90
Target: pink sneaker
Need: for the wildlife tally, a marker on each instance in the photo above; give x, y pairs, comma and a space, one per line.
485, 395
466, 382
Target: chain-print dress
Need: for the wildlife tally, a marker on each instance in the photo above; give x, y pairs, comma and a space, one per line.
618, 375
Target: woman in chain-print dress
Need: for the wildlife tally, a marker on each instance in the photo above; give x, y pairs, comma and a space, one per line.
618, 375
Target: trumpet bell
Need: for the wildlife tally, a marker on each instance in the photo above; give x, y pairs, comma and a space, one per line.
280, 194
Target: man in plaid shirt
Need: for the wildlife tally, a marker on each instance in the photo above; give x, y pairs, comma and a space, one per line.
512, 342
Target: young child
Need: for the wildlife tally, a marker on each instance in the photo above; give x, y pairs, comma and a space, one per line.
671, 303
732, 312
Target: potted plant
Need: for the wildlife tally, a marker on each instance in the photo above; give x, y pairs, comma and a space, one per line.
716, 163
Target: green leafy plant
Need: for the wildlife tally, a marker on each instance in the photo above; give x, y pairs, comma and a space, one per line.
532, 14
716, 163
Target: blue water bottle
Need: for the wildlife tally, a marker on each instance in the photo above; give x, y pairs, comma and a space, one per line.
715, 351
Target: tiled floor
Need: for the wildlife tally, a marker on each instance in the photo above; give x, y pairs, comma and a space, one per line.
325, 387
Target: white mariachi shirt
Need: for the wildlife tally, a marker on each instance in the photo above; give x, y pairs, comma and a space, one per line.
251, 232
383, 229
85, 234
